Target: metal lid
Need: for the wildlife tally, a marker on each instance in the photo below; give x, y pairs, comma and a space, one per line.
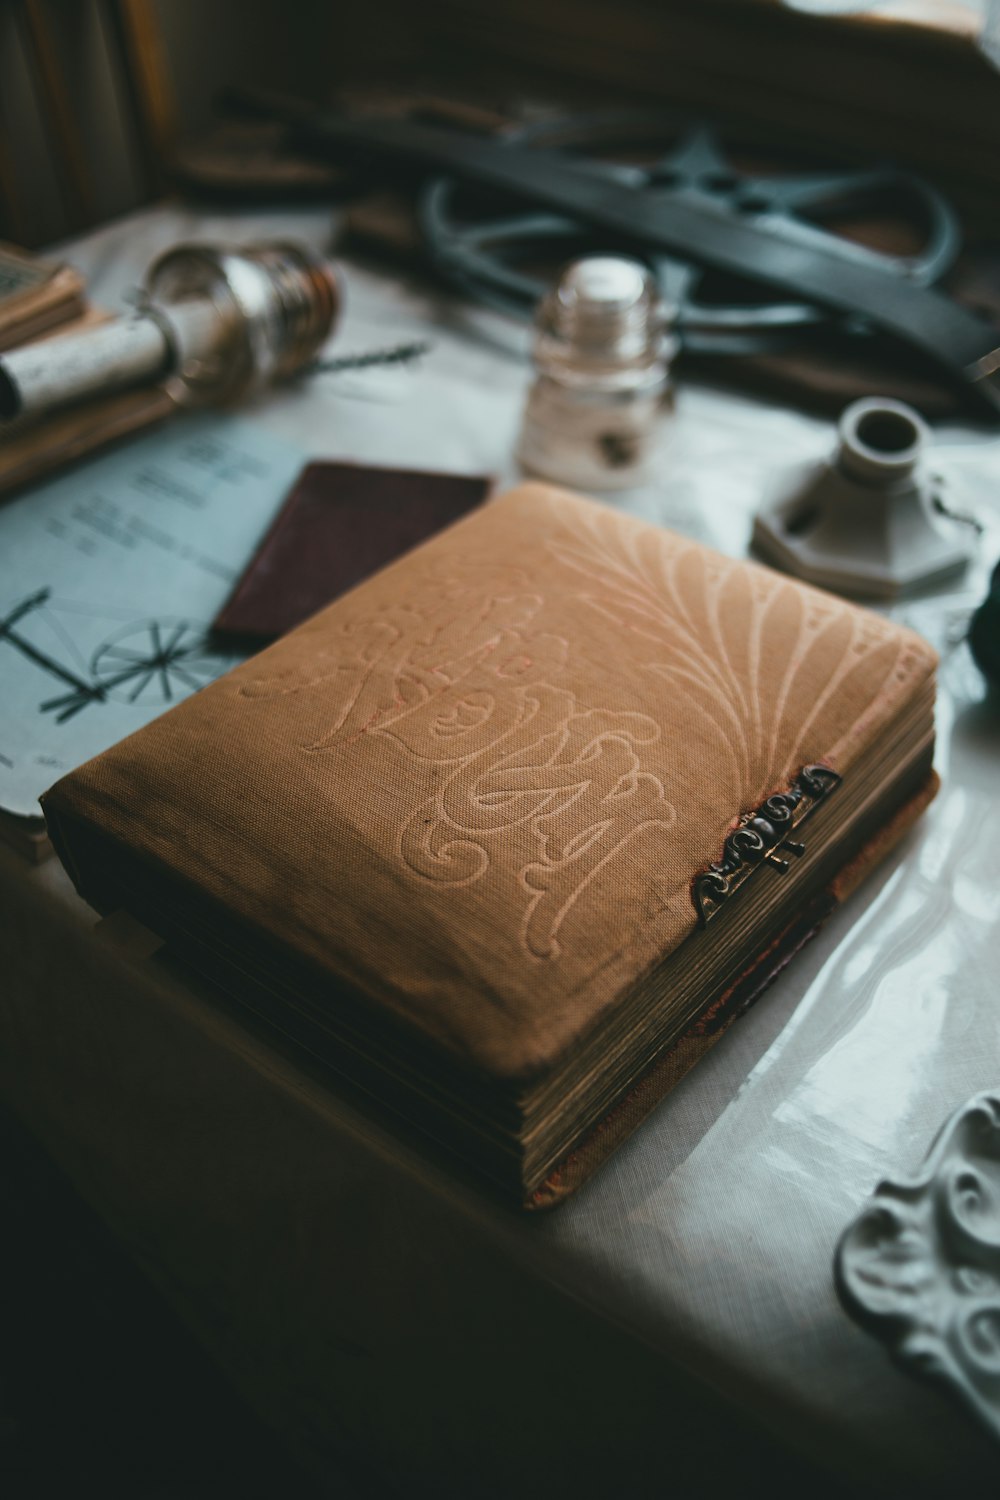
606, 307
275, 303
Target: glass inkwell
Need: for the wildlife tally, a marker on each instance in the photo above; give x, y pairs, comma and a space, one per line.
594, 417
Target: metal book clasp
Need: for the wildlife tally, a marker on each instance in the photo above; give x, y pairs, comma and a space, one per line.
762, 837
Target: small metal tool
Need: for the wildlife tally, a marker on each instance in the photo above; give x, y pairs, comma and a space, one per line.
211, 322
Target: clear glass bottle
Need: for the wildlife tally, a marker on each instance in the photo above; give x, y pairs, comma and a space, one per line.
594, 417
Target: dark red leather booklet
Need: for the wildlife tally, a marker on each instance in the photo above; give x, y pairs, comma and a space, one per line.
340, 523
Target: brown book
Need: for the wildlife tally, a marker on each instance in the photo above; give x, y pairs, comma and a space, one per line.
35, 296
41, 299
339, 524
506, 835
34, 450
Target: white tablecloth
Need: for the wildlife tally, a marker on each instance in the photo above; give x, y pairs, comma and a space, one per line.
375, 1306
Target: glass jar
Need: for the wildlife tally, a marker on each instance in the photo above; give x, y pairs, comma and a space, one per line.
594, 417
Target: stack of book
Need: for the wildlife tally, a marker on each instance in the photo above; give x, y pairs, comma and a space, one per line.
35, 296
43, 299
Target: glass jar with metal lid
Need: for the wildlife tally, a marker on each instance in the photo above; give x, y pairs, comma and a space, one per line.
603, 350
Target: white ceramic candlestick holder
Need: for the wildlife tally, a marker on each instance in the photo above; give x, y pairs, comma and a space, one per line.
868, 522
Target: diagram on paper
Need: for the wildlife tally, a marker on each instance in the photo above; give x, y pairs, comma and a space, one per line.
109, 574
146, 661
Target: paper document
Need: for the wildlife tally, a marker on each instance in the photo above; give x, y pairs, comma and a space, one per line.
109, 576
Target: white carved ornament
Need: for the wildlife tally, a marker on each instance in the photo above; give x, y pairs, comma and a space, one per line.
920, 1266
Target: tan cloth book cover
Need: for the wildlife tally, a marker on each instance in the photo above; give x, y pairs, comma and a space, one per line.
449, 835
